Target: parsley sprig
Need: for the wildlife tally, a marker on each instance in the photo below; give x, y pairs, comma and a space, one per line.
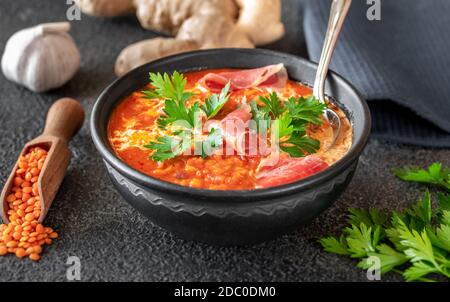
291, 118
435, 174
172, 90
415, 242
186, 118
167, 147
215, 102
291, 123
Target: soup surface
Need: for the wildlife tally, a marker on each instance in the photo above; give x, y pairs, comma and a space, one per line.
134, 124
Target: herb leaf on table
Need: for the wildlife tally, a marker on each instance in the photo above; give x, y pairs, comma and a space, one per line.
435, 174
414, 243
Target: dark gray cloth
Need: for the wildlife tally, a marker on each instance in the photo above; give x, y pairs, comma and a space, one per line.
404, 57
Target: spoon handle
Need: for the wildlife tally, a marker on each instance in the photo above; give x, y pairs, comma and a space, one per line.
339, 10
64, 118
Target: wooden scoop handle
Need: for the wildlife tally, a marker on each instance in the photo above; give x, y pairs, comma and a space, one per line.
64, 118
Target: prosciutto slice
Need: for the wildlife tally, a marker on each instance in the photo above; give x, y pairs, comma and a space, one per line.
239, 138
288, 169
234, 127
273, 76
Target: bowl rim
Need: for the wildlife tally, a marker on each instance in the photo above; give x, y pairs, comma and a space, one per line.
231, 195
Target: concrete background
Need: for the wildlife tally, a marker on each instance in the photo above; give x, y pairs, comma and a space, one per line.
116, 243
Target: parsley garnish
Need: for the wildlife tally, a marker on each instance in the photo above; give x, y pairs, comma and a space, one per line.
168, 87
291, 123
415, 243
172, 89
212, 142
215, 102
291, 118
299, 144
167, 147
261, 117
186, 119
307, 110
273, 104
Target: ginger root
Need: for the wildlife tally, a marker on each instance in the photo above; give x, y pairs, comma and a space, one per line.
213, 30
106, 8
261, 20
167, 16
201, 24
197, 32
145, 51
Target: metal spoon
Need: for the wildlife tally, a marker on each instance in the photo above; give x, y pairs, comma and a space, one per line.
339, 10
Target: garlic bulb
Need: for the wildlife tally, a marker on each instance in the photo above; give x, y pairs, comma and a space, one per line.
41, 58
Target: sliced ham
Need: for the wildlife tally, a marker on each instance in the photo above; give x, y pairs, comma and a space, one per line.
287, 169
234, 128
242, 114
239, 139
273, 76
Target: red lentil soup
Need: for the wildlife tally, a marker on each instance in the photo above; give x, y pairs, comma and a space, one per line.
133, 124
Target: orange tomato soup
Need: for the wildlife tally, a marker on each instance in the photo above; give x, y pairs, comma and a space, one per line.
133, 125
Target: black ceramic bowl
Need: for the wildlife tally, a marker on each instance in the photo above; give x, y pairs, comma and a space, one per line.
231, 217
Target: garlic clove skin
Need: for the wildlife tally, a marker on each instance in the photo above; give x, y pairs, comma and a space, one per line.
41, 58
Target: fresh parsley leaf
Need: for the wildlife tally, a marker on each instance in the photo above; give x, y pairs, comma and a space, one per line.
418, 245
290, 124
416, 240
359, 240
273, 104
261, 117
389, 258
213, 142
284, 125
168, 87
167, 147
194, 116
215, 102
394, 238
418, 270
444, 201
436, 175
443, 234
420, 251
334, 245
439, 237
307, 110
172, 89
422, 210
174, 111
370, 218
445, 217
299, 145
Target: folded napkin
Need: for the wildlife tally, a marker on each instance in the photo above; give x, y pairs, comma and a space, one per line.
401, 64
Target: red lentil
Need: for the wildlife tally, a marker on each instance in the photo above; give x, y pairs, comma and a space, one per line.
24, 236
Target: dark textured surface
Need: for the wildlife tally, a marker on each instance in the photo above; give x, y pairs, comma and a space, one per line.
113, 241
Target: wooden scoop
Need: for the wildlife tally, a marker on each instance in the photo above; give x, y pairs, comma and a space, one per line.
64, 119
